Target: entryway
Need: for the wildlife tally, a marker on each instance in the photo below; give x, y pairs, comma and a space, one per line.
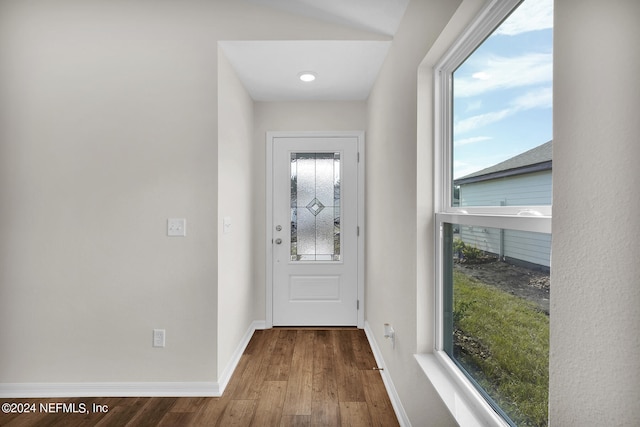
315, 222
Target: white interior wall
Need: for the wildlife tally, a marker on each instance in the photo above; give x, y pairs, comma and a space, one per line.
236, 203
392, 261
109, 114
109, 128
595, 292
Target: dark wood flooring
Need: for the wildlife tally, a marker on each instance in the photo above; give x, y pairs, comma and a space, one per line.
286, 377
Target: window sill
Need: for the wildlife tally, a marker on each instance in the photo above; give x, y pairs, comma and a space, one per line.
461, 398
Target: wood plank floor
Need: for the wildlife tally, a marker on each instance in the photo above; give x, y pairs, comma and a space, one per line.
286, 377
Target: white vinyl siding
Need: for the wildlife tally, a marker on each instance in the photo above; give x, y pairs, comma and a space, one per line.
530, 247
483, 238
532, 189
534, 248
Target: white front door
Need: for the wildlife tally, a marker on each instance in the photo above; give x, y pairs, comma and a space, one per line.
314, 231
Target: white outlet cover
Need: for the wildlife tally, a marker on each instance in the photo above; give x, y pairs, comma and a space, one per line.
177, 227
159, 337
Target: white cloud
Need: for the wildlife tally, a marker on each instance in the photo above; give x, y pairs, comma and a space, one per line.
481, 75
505, 73
471, 140
532, 15
539, 98
473, 105
481, 120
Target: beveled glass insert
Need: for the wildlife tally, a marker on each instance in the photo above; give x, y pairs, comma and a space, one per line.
315, 206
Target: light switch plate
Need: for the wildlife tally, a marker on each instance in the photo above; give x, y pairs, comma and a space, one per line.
176, 227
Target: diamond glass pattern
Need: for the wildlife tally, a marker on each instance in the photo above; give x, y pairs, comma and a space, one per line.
315, 207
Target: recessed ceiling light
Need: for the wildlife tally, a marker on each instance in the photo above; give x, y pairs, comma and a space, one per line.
307, 76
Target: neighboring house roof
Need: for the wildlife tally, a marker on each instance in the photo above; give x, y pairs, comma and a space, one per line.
535, 160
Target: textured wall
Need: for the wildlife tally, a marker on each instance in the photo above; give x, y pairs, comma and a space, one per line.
595, 291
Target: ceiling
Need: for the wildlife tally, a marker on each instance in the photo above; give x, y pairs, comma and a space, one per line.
378, 16
346, 70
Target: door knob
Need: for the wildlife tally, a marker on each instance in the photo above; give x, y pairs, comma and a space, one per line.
278, 228
278, 241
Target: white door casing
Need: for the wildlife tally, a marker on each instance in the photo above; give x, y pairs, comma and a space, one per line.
315, 231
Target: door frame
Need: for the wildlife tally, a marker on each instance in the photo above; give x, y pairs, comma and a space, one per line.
269, 212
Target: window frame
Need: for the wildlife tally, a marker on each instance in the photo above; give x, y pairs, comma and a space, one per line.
523, 218
481, 28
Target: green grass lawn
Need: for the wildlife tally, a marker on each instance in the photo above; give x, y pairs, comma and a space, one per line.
503, 341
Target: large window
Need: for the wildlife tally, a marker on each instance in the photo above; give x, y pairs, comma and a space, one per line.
493, 208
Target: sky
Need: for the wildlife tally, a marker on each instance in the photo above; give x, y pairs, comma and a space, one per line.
502, 93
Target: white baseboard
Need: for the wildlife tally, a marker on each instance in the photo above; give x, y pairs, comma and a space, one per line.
132, 389
225, 377
403, 419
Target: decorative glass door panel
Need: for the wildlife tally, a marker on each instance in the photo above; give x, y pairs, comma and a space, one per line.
315, 207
